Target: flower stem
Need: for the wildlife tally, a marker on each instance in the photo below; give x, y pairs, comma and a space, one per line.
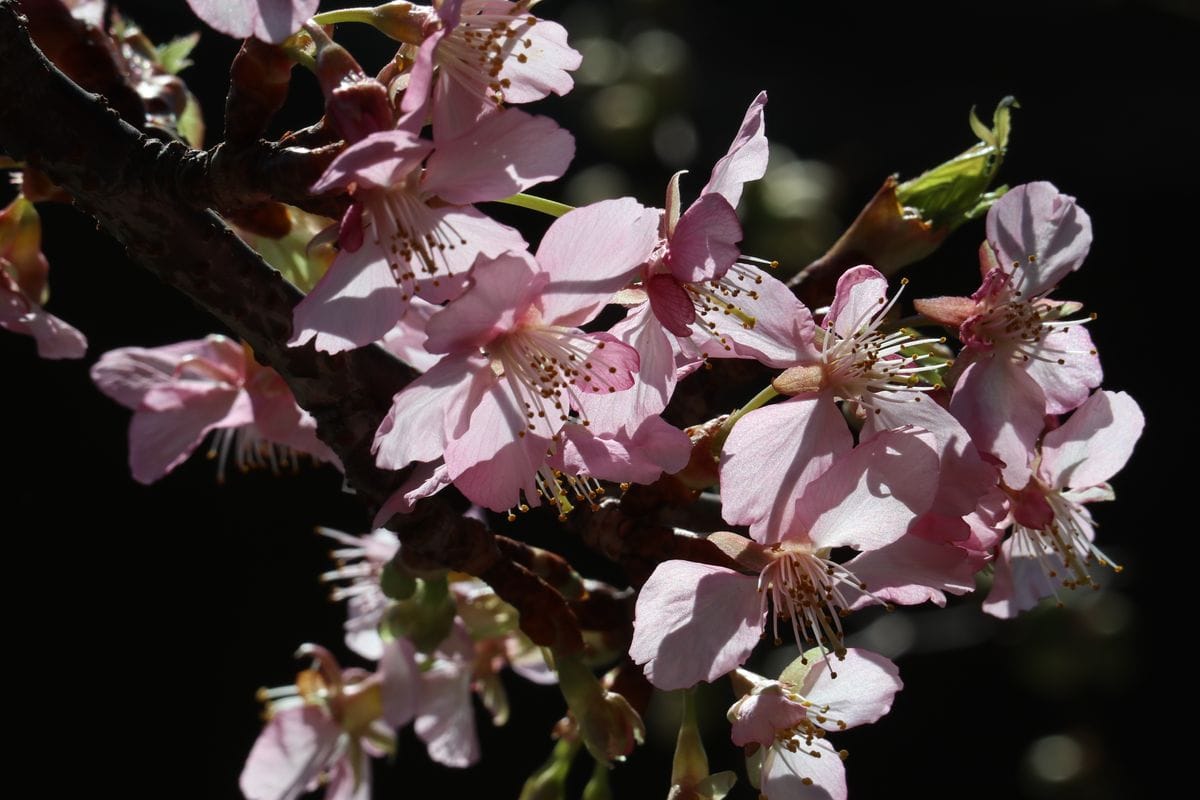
365, 15
551, 207
758, 401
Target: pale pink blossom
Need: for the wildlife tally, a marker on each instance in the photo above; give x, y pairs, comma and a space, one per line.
23, 287
789, 718
269, 20
412, 228
516, 364
1023, 356
179, 393
486, 53
356, 578
322, 730
781, 448
1051, 545
696, 622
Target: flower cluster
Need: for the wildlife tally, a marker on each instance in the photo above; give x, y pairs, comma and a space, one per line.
904, 456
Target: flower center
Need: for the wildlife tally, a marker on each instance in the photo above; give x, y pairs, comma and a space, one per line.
1064, 549
414, 238
808, 590
869, 360
1024, 328
475, 51
249, 451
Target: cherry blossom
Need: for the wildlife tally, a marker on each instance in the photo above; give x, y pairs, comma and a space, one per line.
789, 718
322, 729
516, 364
1024, 356
853, 358
1051, 544
486, 52
412, 226
181, 392
697, 621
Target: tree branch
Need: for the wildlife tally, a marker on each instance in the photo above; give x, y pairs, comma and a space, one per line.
131, 184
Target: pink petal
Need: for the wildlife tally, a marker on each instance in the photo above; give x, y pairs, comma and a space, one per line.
654, 383
1039, 221
292, 750
861, 294
406, 341
506, 153
420, 79
671, 304
414, 428
547, 64
771, 455
704, 244
608, 367
477, 234
375, 162
54, 338
424, 481
694, 622
173, 421
747, 156
128, 373
1066, 385
457, 107
761, 716
769, 324
346, 782
590, 253
963, 476
495, 457
269, 20
502, 290
1019, 582
400, 682
1003, 410
1094, 444
869, 496
655, 447
355, 303
861, 693
803, 776
912, 570
446, 719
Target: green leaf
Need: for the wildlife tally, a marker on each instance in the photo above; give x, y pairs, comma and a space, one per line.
191, 123
173, 56
957, 190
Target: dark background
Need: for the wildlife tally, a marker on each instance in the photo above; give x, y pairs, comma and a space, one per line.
142, 619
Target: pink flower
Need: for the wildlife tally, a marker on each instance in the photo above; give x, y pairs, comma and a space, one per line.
1023, 357
322, 729
699, 278
697, 622
269, 20
360, 564
411, 227
515, 364
789, 719
856, 360
1051, 544
487, 52
698, 297
181, 392
23, 290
